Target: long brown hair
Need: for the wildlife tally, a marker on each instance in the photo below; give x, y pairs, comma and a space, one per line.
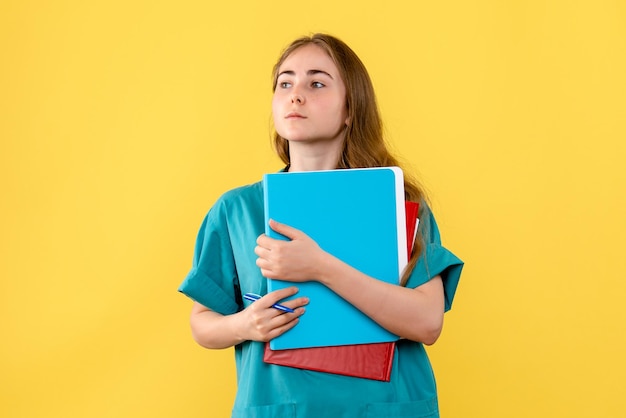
364, 145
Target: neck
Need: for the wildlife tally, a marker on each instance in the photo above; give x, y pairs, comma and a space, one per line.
314, 157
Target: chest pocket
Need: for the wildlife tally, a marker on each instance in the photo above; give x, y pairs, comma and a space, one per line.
287, 410
418, 409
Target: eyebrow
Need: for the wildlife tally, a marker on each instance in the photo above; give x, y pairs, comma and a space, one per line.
310, 72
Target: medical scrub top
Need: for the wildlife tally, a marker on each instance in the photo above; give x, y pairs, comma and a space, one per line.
224, 268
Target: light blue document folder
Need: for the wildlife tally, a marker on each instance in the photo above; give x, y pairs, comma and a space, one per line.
358, 215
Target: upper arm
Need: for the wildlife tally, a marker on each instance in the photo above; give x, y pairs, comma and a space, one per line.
432, 299
435, 261
433, 291
211, 281
198, 308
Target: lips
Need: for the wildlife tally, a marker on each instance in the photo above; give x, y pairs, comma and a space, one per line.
294, 115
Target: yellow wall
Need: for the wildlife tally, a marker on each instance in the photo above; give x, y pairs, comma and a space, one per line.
121, 123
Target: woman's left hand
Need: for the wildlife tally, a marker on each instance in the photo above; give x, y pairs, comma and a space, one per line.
296, 260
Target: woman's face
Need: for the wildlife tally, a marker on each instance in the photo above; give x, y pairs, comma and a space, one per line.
309, 103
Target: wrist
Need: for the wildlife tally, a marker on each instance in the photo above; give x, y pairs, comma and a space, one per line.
238, 326
327, 266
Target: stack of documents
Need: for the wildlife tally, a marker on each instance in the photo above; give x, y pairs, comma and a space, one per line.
360, 216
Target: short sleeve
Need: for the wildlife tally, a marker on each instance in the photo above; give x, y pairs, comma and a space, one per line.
435, 259
213, 276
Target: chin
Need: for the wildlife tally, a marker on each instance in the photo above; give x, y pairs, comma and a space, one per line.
294, 136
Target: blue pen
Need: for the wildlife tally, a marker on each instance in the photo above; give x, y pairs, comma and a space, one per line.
253, 297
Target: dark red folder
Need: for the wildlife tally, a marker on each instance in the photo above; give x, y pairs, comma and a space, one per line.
368, 361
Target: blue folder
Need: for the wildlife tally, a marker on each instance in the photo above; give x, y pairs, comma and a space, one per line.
358, 215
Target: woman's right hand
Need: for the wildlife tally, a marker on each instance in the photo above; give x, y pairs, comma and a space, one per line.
261, 322
258, 322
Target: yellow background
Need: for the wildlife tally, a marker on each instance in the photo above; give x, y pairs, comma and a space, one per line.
121, 122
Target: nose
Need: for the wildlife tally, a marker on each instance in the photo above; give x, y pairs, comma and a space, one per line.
297, 98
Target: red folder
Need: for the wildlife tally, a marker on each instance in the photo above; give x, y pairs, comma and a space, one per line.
368, 361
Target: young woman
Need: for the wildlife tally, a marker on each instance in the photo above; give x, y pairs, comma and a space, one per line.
325, 117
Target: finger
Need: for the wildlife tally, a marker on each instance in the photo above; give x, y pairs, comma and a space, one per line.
286, 230
296, 303
282, 329
264, 241
283, 317
280, 294
287, 318
265, 267
262, 252
264, 263
274, 297
269, 274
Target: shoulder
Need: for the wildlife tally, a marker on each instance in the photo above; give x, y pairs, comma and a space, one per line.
236, 200
427, 224
247, 192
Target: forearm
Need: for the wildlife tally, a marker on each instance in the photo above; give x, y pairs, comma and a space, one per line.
213, 330
415, 314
